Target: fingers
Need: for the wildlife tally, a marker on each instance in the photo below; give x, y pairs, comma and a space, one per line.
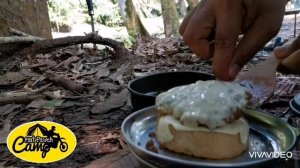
186, 21
291, 63
249, 14
284, 51
263, 29
198, 30
228, 28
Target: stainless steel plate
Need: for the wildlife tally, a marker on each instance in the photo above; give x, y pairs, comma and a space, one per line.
267, 134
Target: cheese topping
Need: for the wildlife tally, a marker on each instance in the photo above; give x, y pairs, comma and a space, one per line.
203, 103
164, 134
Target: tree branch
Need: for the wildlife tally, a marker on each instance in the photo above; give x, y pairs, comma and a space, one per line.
19, 39
45, 46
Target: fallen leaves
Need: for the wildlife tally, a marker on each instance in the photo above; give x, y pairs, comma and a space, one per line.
119, 159
44, 104
159, 47
113, 102
5, 131
68, 78
68, 61
11, 78
8, 108
118, 76
66, 83
108, 86
167, 55
49, 64
107, 142
104, 72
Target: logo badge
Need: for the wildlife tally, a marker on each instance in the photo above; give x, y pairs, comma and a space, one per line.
41, 142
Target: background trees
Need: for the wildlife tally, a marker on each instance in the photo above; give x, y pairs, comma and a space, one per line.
30, 16
170, 17
64, 14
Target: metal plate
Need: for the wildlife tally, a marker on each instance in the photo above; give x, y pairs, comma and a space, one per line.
267, 134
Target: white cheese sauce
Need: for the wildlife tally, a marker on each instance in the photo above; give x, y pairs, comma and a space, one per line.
203, 103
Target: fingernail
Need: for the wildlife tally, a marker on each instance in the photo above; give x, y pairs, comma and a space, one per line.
234, 70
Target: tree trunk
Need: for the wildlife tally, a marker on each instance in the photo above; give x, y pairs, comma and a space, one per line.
192, 4
170, 17
29, 16
133, 22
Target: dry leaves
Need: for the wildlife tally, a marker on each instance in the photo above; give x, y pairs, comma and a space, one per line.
7, 109
68, 61
113, 102
159, 47
49, 64
104, 72
119, 159
118, 76
44, 104
12, 78
105, 143
5, 131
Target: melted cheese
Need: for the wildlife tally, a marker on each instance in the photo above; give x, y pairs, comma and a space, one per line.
203, 103
237, 127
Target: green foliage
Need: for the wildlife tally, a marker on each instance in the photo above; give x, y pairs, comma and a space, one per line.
106, 13
61, 12
128, 41
69, 12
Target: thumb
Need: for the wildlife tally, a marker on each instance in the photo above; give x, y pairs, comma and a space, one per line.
284, 51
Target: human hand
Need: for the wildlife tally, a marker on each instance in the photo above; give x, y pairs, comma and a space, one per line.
289, 56
223, 21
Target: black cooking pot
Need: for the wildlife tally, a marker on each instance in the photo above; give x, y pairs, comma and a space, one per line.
143, 90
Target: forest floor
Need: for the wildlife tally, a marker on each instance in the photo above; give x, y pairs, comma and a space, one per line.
95, 113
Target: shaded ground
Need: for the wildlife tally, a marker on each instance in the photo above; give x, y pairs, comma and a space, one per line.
96, 113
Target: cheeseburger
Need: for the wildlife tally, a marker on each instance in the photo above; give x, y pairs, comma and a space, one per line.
204, 119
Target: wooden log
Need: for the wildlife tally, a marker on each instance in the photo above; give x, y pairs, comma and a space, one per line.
45, 46
20, 99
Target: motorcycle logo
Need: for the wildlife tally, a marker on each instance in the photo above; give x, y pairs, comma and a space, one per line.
41, 142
